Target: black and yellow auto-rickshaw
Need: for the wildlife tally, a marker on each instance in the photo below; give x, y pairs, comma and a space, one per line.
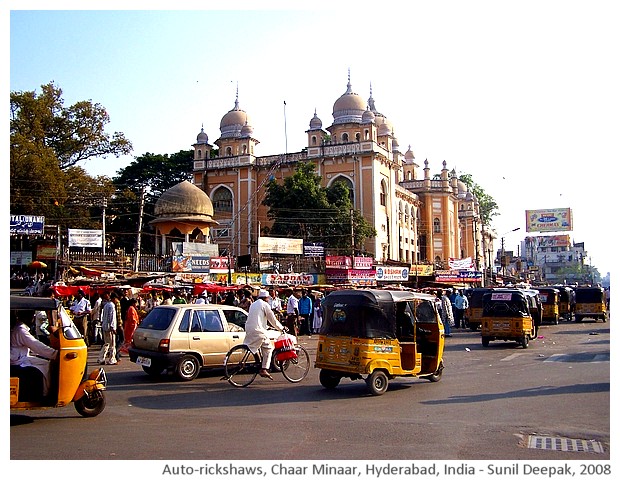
510, 314
590, 303
379, 335
550, 299
69, 380
473, 314
567, 301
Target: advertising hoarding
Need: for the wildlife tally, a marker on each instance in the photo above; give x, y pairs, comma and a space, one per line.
85, 238
550, 220
283, 246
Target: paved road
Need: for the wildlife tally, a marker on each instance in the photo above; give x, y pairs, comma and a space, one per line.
490, 404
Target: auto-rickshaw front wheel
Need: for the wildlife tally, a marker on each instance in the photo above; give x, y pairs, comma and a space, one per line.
377, 382
91, 405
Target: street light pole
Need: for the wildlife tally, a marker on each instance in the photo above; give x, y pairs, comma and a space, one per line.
502, 259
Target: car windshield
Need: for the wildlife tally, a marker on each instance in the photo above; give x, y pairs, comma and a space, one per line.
158, 319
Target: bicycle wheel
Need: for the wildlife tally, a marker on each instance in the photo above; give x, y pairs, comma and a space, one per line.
296, 369
241, 366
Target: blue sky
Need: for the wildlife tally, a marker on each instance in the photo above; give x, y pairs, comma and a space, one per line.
523, 96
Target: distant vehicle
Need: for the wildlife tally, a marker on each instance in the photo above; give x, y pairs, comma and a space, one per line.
590, 303
473, 314
550, 299
510, 314
185, 338
567, 301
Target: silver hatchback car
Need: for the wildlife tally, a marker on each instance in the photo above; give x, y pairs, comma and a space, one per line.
185, 338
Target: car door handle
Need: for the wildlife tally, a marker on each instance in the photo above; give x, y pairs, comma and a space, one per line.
235, 336
195, 338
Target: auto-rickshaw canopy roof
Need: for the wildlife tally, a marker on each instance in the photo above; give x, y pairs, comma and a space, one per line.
368, 313
32, 303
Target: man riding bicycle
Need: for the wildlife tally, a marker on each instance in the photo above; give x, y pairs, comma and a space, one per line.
260, 317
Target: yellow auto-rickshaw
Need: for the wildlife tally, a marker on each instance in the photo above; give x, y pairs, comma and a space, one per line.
590, 303
567, 301
510, 314
379, 334
69, 380
550, 299
473, 314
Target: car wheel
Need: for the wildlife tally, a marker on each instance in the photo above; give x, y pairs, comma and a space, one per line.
187, 368
377, 382
329, 379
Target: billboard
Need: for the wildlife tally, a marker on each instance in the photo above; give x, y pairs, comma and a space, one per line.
26, 224
551, 220
286, 246
85, 238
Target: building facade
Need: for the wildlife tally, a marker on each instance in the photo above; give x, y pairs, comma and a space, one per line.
426, 220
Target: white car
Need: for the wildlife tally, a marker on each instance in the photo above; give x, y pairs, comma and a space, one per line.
184, 338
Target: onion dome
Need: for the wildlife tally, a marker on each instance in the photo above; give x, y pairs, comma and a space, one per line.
384, 129
315, 122
409, 157
184, 201
202, 138
246, 130
232, 123
368, 116
350, 107
395, 145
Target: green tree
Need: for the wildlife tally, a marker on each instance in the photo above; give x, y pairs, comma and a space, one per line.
488, 205
47, 141
300, 207
74, 134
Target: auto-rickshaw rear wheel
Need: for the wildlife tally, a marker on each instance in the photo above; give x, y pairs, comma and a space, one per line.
435, 377
377, 382
329, 379
525, 341
91, 405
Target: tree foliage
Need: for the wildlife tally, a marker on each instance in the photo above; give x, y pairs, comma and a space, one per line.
300, 207
488, 205
47, 141
74, 134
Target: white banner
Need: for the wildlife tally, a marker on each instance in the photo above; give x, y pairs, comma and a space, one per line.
288, 246
85, 238
461, 263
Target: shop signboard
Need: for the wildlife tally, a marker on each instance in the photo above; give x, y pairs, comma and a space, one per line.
26, 224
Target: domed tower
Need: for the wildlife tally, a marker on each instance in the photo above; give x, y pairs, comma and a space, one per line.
184, 208
236, 133
315, 132
347, 112
202, 149
409, 166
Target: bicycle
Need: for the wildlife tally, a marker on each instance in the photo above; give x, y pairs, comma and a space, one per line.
241, 365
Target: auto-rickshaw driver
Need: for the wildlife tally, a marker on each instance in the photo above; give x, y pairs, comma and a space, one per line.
69, 381
381, 334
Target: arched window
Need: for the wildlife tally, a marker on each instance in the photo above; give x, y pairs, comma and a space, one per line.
436, 225
245, 149
383, 194
357, 137
347, 183
345, 137
199, 153
222, 201
366, 134
400, 212
313, 141
406, 214
228, 151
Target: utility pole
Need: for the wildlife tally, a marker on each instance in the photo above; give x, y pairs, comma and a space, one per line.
139, 240
352, 236
104, 205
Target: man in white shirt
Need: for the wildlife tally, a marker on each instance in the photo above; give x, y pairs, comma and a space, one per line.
292, 312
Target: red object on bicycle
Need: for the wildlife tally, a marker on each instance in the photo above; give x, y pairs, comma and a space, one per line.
285, 348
